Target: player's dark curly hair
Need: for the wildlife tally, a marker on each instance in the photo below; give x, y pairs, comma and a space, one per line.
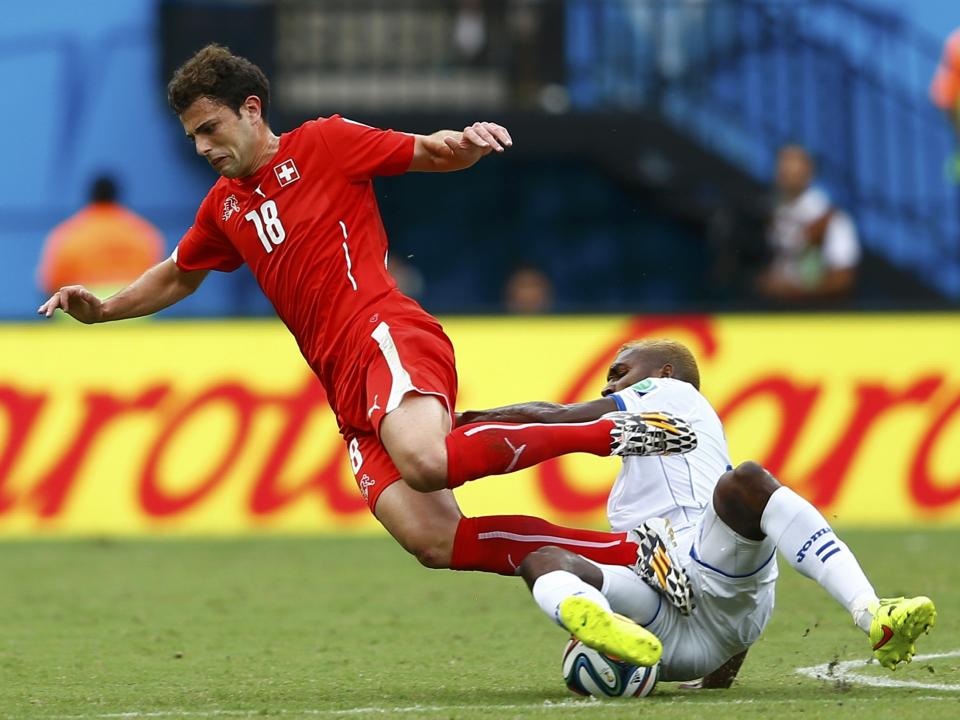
663, 351
216, 73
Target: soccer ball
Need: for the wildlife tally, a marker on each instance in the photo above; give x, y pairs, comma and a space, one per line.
588, 672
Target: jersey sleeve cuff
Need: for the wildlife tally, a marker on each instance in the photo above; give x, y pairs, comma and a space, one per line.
619, 401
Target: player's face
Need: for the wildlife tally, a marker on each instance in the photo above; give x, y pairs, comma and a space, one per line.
228, 141
628, 368
794, 171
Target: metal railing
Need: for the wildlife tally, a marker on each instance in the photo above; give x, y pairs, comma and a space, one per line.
746, 76
742, 76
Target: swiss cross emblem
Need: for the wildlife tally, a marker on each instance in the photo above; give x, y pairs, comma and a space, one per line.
286, 172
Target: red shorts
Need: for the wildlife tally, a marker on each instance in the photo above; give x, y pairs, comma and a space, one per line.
399, 356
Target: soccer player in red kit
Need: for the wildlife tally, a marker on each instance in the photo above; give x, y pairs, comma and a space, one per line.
300, 211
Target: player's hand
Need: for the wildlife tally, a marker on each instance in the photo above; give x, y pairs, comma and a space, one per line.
478, 140
75, 300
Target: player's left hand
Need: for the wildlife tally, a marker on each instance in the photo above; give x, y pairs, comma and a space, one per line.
479, 139
77, 301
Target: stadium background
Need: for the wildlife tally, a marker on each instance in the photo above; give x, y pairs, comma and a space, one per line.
636, 123
182, 535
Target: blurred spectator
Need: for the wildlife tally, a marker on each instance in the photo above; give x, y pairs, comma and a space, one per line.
814, 244
945, 88
536, 32
528, 291
406, 276
470, 31
104, 246
945, 93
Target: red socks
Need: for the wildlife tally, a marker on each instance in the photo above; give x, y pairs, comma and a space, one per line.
481, 449
499, 543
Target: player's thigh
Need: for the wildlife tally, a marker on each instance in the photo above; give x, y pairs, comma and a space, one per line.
419, 420
411, 361
718, 548
734, 582
411, 387
423, 523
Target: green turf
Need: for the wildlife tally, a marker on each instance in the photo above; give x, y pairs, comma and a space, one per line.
353, 628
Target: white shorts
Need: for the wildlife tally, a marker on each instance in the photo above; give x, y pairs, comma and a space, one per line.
733, 582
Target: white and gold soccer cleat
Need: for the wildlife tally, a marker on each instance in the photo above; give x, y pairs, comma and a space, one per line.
658, 563
649, 433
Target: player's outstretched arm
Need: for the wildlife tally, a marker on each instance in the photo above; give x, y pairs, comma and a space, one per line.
159, 287
448, 150
541, 412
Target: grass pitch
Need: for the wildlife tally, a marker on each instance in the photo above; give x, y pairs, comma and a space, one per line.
354, 628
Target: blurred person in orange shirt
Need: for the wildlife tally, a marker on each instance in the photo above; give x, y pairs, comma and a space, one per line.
104, 246
945, 92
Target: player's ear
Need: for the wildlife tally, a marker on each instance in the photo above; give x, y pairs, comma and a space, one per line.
253, 106
666, 371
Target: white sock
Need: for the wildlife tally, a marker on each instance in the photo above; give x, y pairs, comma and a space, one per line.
556, 586
809, 544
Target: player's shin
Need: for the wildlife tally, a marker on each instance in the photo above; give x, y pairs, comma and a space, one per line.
481, 449
551, 589
583, 610
499, 543
810, 545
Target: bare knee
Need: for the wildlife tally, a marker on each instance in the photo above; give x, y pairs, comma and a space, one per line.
425, 525
424, 469
431, 549
741, 495
422, 464
433, 556
748, 483
550, 558
414, 434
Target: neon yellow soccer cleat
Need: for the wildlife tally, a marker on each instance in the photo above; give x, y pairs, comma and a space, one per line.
610, 633
896, 625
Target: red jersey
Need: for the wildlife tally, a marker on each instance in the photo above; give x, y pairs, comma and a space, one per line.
308, 226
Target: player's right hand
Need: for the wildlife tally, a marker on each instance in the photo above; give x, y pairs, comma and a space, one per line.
75, 300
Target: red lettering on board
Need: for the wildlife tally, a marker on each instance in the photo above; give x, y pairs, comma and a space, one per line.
557, 486
158, 501
50, 494
22, 409
923, 486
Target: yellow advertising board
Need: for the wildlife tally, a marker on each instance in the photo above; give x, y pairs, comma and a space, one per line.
216, 427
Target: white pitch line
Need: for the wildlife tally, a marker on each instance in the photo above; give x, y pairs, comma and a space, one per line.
587, 704
332, 712
844, 671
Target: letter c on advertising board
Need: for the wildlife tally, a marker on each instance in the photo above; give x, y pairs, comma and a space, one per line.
157, 501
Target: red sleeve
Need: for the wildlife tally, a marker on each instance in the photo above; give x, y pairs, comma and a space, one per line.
363, 152
204, 246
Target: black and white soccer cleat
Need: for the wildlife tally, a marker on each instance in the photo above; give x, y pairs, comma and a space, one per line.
658, 563
650, 433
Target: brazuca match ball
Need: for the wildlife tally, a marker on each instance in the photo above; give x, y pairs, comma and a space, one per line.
588, 672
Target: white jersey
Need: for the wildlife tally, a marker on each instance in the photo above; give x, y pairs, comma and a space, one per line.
733, 578
677, 487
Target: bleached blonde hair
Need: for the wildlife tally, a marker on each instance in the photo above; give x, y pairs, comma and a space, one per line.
663, 351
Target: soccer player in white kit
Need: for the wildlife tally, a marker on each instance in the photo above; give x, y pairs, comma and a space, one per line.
703, 588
